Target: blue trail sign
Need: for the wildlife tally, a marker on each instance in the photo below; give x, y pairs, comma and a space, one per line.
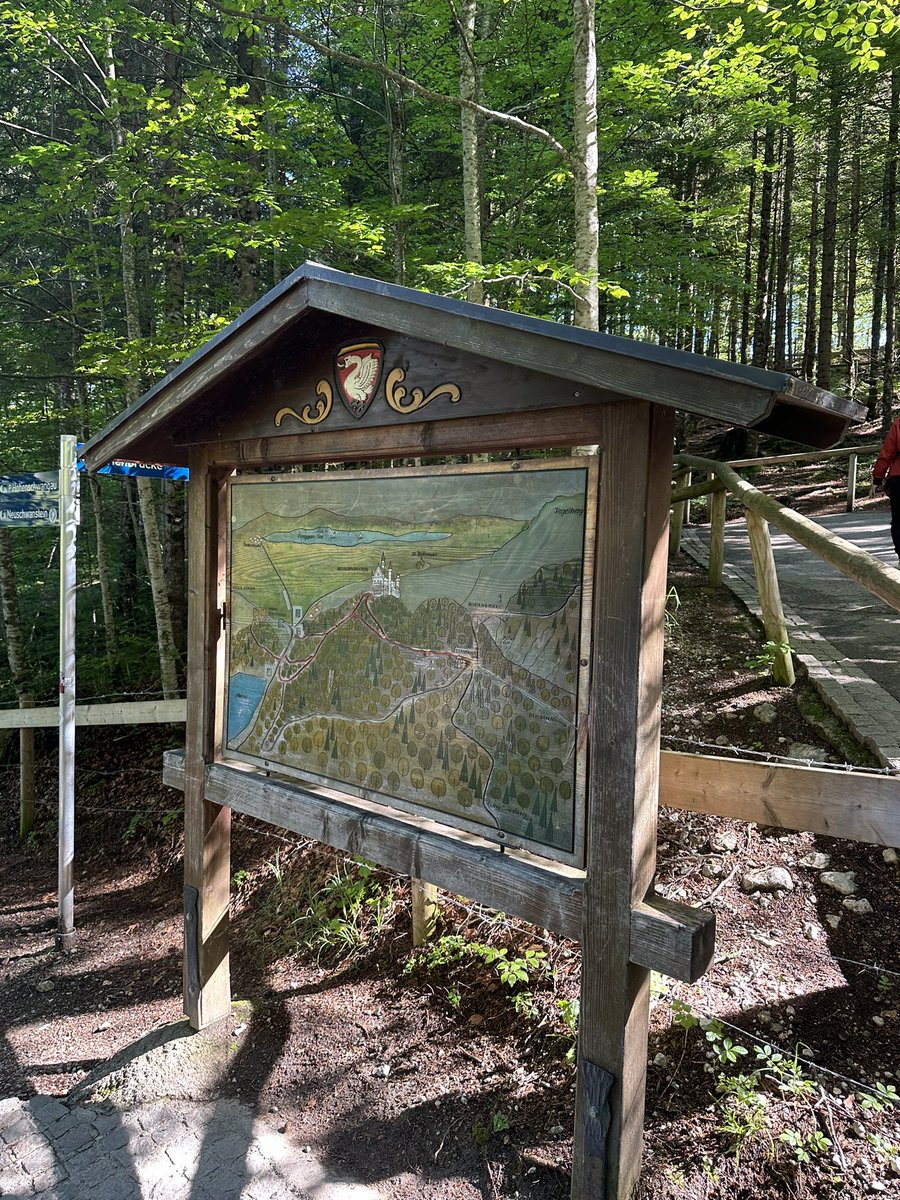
31, 499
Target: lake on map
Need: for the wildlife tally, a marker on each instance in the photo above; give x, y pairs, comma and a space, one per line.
244, 695
350, 537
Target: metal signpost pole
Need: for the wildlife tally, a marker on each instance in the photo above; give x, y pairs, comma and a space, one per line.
65, 935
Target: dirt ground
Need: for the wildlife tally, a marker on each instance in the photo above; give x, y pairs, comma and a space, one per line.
449, 1074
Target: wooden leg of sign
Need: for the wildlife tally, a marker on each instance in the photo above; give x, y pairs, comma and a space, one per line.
424, 910
770, 596
207, 827
629, 611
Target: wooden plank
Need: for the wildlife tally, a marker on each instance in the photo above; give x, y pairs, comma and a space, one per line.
137, 712
852, 467
856, 805
207, 826
632, 544
550, 428
805, 456
26, 772
770, 596
665, 936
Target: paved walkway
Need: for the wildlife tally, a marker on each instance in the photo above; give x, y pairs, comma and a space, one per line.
848, 639
150, 1124
165, 1150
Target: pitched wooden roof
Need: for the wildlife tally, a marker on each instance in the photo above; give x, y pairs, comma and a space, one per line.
296, 315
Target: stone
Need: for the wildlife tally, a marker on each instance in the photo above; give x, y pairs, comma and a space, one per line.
833, 919
807, 753
46, 985
382, 1070
723, 841
765, 713
816, 861
890, 856
842, 882
768, 879
862, 908
811, 931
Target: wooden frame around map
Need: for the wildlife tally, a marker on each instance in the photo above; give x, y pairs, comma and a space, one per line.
489, 574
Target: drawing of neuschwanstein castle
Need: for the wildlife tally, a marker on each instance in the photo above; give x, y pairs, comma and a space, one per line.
385, 582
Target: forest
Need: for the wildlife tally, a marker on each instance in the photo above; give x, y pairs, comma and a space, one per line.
712, 175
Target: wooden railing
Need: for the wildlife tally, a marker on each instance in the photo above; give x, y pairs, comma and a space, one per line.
760, 511
27, 718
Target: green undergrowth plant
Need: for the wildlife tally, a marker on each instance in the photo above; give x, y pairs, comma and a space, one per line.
323, 906
773, 1101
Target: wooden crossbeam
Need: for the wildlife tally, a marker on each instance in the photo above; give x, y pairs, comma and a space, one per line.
668, 937
136, 712
860, 806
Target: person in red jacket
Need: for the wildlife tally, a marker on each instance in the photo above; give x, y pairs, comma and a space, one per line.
886, 474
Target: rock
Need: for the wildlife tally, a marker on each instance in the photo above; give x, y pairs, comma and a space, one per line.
879, 1021
862, 908
768, 879
843, 882
765, 713
816, 861
890, 856
833, 919
661, 1061
811, 931
721, 740
46, 985
723, 841
806, 752
711, 869
382, 1070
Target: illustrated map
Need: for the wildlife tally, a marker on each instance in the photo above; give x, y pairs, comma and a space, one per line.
415, 638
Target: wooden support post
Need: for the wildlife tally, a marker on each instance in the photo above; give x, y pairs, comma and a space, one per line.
770, 596
424, 911
636, 447
207, 826
26, 773
680, 511
716, 536
852, 465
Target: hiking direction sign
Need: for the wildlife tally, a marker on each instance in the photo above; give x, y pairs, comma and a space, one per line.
29, 499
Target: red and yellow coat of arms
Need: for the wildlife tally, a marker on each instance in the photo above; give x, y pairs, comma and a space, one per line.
357, 372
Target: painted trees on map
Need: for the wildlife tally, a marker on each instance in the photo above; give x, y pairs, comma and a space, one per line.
457, 694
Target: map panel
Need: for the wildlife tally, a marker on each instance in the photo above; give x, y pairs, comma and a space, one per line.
415, 638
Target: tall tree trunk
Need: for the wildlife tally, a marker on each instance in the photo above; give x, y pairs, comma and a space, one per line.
761, 322
109, 616
748, 253
394, 115
848, 340
161, 607
470, 89
890, 254
829, 234
812, 277
783, 267
12, 620
585, 165
248, 209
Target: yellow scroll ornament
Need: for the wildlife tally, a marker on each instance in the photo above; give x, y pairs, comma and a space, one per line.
395, 394
323, 407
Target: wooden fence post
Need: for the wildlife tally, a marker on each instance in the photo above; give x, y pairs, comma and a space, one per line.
770, 596
680, 511
26, 773
851, 481
424, 910
716, 534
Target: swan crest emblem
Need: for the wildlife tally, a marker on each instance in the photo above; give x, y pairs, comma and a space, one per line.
357, 372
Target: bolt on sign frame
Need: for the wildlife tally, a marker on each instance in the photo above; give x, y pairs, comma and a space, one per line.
327, 369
